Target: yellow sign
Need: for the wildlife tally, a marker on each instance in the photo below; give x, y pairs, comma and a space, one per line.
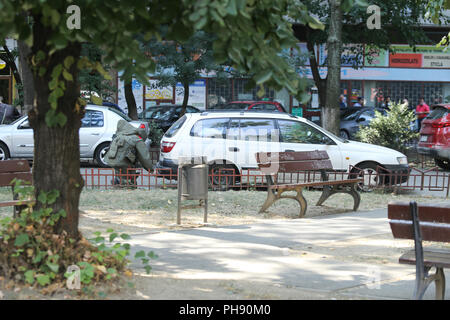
2, 64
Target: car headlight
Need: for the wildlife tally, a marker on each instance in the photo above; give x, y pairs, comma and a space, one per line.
402, 160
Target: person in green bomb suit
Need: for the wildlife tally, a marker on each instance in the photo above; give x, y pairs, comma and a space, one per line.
126, 147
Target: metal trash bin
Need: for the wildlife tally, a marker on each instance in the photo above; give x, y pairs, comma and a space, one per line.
193, 184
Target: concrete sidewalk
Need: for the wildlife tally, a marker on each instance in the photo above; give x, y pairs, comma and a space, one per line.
345, 256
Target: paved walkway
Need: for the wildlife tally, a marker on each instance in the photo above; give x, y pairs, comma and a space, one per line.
345, 256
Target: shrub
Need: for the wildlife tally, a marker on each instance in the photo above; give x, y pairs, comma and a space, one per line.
31, 253
155, 134
391, 130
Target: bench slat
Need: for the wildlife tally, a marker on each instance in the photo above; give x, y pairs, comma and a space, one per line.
6, 178
427, 212
316, 183
402, 229
14, 166
432, 257
16, 203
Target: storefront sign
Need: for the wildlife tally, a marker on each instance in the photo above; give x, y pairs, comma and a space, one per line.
405, 60
379, 58
436, 61
154, 92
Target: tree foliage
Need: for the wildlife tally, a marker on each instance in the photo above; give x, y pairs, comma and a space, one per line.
250, 34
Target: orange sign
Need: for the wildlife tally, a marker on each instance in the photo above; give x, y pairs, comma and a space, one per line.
405, 60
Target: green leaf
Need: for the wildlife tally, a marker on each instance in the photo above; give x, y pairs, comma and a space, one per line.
43, 280
29, 276
21, 240
140, 254
67, 76
125, 236
53, 266
263, 76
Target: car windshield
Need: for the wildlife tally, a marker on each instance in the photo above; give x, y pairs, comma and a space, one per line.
17, 120
349, 115
437, 113
158, 113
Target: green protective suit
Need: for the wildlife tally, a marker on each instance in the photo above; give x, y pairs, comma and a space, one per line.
128, 146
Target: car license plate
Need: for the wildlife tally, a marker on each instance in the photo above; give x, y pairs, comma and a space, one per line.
423, 138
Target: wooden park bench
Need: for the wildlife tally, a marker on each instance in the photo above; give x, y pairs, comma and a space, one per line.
272, 163
10, 170
424, 222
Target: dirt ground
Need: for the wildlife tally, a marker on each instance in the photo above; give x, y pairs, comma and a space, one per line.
139, 211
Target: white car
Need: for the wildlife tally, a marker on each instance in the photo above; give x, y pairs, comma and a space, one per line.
231, 140
97, 128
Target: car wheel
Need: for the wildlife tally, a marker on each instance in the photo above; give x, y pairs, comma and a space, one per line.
443, 164
4, 152
223, 176
369, 173
344, 134
100, 153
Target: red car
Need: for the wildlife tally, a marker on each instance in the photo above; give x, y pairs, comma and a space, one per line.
435, 135
253, 105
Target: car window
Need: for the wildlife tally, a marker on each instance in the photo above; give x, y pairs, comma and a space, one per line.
265, 107
256, 129
438, 113
368, 115
175, 127
251, 129
210, 128
349, 116
299, 132
158, 113
24, 125
235, 106
92, 118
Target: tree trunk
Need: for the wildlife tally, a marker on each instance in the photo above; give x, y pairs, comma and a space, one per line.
27, 77
321, 84
330, 111
56, 163
131, 101
185, 98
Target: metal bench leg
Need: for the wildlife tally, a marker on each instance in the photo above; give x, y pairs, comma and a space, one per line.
356, 197
440, 284
326, 193
302, 201
271, 198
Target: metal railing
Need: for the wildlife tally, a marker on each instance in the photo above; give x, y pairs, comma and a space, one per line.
431, 179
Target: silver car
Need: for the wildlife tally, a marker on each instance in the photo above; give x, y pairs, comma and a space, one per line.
97, 128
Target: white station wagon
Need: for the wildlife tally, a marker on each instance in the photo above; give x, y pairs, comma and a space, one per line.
231, 140
97, 128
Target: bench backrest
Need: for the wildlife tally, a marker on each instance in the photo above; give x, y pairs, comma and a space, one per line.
434, 221
286, 162
10, 169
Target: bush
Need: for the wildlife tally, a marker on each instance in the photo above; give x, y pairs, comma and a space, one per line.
32, 254
392, 130
155, 134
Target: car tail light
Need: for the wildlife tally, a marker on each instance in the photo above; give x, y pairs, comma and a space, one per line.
167, 146
142, 126
440, 124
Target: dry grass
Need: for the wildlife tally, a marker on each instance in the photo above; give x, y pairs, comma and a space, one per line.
137, 211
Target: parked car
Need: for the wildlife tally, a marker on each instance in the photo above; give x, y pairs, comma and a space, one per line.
434, 138
164, 116
352, 118
97, 128
252, 105
231, 140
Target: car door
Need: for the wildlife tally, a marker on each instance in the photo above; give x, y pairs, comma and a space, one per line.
248, 136
23, 140
301, 136
92, 129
